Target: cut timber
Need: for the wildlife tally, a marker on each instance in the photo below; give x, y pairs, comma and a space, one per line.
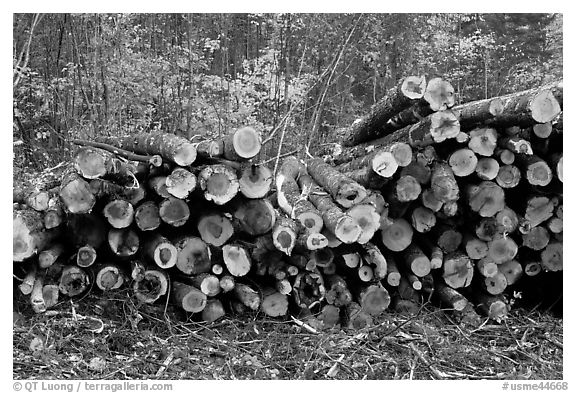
352, 260
215, 228
274, 304
536, 239
213, 311
507, 219
555, 225
439, 94
237, 260
486, 199
217, 269
219, 183
450, 297
194, 256
154, 160
147, 216
227, 283
50, 293
208, 283
54, 214
436, 257
180, 183
284, 234
483, 141
494, 307
487, 168
416, 261
255, 216
322, 257
363, 154
123, 242
489, 229
449, 239
337, 292
283, 286
137, 270
505, 156
27, 284
329, 316
345, 192
174, 211
367, 178
435, 128
36, 296
294, 203
516, 145
101, 188
542, 130
309, 289
475, 248
393, 276
496, 284
397, 99
509, 176
373, 256
242, 144
356, 318
86, 256
160, 251
255, 181
188, 297
538, 210
457, 270
367, 219
463, 162
92, 163
336, 221
36, 189
536, 170
430, 201
423, 219
407, 189
443, 183
502, 250
158, 185
397, 236
450, 208
366, 273
171, 147
486, 267
119, 213
552, 257
109, 277
29, 235
210, 148
311, 241
247, 296
476, 112
75, 194
73, 281
374, 299
532, 268
419, 171
512, 270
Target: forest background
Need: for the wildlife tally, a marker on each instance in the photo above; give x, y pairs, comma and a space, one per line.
294, 77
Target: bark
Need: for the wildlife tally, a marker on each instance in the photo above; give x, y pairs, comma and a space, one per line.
457, 270
450, 297
364, 153
255, 181
373, 256
215, 228
27, 284
174, 212
414, 281
86, 256
188, 297
154, 160
486, 199
75, 194
73, 281
284, 234
367, 219
29, 235
345, 192
443, 183
477, 112
213, 311
104, 188
210, 148
310, 241
508, 176
194, 256
36, 296
119, 213
416, 261
247, 296
381, 161
160, 251
123, 242
219, 183
147, 216
436, 257
180, 183
397, 236
36, 189
254, 216
109, 277
463, 162
367, 178
237, 260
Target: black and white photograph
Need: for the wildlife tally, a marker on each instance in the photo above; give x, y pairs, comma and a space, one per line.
287, 196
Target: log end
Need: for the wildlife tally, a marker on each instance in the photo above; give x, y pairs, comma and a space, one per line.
413, 87
544, 107
246, 142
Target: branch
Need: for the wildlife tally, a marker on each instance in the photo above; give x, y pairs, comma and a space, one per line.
154, 160
25, 52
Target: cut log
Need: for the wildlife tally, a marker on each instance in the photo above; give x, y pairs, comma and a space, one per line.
274, 304
337, 292
512, 270
93, 163
210, 148
407, 189
373, 256
419, 171
29, 235
237, 260
536, 170
433, 129
367, 178
476, 112
336, 221
54, 214
430, 201
532, 268
27, 284
382, 162
536, 239
283, 286
309, 289
284, 234
489, 229
449, 239
123, 242
227, 283
450, 208
436, 257
538, 210
247, 296
351, 260
450, 297
171, 147
137, 270
356, 318
509, 176
242, 144
487, 267
104, 188
311, 241
119, 213
507, 220
213, 310
75, 194
109, 277
457, 270
160, 251
36, 296
443, 183
86, 256
36, 189
344, 191
463, 162
516, 145
50, 293
174, 212
188, 297
552, 257
557, 165
398, 235
494, 307
487, 168
255, 181
416, 261
373, 299
367, 219
439, 94
215, 228
393, 276
180, 183
423, 219
414, 281
208, 283
158, 185
194, 256
542, 130
555, 225
219, 183
255, 216
73, 281
505, 156
154, 160
366, 273
502, 250
486, 199
397, 99
329, 316
147, 216
322, 257
475, 248
407, 292
496, 284
483, 141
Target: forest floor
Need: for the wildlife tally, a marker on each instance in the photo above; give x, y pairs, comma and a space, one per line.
108, 337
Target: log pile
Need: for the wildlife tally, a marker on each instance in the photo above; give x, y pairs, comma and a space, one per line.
423, 201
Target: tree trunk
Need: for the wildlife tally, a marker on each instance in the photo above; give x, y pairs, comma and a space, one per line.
219, 183
174, 212
180, 183
237, 260
247, 296
109, 277
457, 270
535, 170
147, 216
194, 256
450, 297
255, 181
104, 188
397, 236
476, 112
73, 281
254, 216
381, 161
215, 228
188, 297
308, 241
393, 276
160, 251
119, 213
486, 199
154, 160
344, 191
27, 284
487, 168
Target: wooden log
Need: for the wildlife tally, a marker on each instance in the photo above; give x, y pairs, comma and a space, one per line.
119, 213
322, 257
311, 241
509, 176
542, 130
50, 255
73, 281
36, 296
486, 198
219, 183
414, 281
366, 273
373, 299
368, 220
351, 260
180, 183
374, 257
54, 214
147, 216
227, 283
502, 250
457, 270
274, 304
450, 208
516, 145
483, 141
213, 310
210, 148
512, 270
397, 99
243, 144
27, 283
284, 234
430, 201
463, 162
439, 94
506, 157
86, 256
436, 257
362, 156
488, 229
557, 164
283, 286
552, 257
555, 225
103, 188
449, 239
247, 296
393, 275
356, 318
309, 289
50, 294
535, 170
494, 307
337, 292
109, 277
407, 189
75, 194
443, 183
532, 268
154, 160
93, 163
254, 216
329, 316
160, 251
381, 161
487, 168
137, 270
215, 228
450, 297
422, 219
36, 189
477, 112
188, 297
507, 220
487, 267
407, 292
174, 212
433, 129
397, 236
336, 221
496, 284
208, 283
237, 260
536, 239
475, 248
123, 242
194, 256
416, 261
255, 181
344, 191
419, 171
171, 147
158, 185
538, 210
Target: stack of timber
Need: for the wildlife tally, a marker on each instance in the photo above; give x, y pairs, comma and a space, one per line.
423, 201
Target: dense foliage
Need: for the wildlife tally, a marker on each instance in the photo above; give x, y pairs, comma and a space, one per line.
295, 77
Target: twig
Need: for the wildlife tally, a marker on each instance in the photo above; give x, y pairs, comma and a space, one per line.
420, 355
154, 160
290, 153
334, 369
165, 365
304, 325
